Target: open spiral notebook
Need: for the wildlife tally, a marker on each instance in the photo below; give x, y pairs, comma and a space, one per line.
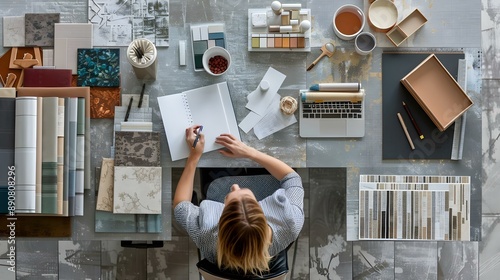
209, 106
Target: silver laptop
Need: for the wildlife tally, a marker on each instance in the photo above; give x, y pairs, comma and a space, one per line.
331, 119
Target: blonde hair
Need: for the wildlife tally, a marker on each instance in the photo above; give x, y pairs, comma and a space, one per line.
244, 237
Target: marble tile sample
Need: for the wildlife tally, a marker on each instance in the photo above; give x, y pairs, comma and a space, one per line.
68, 38
330, 253
170, 261
98, 67
489, 267
5, 265
37, 259
106, 185
13, 31
137, 190
415, 260
458, 260
39, 29
134, 148
119, 262
79, 259
373, 260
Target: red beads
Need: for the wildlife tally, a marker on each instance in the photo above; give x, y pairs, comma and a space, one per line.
217, 64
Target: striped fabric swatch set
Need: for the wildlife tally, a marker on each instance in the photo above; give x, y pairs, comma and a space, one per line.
401, 207
129, 197
49, 155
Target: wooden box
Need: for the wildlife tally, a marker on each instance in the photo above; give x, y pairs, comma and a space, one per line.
404, 29
437, 92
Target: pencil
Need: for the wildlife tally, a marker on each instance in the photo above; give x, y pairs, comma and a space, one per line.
417, 128
142, 96
128, 108
197, 136
402, 122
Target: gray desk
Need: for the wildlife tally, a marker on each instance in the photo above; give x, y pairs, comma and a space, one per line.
451, 25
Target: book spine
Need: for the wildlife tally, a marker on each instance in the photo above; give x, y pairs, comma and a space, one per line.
60, 156
49, 155
71, 123
80, 158
39, 135
25, 154
66, 158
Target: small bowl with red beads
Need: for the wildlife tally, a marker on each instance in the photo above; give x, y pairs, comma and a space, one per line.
216, 60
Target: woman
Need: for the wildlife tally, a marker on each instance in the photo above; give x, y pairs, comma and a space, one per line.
242, 233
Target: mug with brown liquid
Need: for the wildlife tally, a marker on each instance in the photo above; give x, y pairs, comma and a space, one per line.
348, 22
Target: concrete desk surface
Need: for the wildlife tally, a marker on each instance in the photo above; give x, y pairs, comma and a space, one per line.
452, 26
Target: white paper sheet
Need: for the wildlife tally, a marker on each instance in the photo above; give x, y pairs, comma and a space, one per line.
273, 121
259, 100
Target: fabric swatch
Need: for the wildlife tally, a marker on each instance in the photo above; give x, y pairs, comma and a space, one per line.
39, 29
98, 67
135, 148
137, 190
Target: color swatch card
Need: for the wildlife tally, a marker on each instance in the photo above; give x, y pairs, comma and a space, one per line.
209, 106
288, 30
203, 37
400, 207
137, 190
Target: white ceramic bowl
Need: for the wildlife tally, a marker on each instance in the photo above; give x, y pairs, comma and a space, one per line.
355, 16
383, 15
212, 52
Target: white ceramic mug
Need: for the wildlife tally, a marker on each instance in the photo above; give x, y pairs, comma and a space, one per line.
365, 43
348, 21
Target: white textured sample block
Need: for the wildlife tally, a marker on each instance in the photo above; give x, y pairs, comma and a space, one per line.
68, 38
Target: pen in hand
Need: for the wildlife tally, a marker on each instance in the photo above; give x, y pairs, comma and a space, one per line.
197, 136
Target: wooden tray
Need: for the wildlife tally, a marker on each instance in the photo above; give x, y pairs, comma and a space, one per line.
437, 92
409, 25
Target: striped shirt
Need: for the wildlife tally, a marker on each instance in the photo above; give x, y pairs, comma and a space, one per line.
284, 211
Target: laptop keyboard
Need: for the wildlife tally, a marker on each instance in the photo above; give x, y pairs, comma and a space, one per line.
336, 110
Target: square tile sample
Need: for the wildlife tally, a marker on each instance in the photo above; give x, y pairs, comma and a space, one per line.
203, 37
103, 102
39, 29
68, 38
137, 190
134, 148
13, 31
98, 67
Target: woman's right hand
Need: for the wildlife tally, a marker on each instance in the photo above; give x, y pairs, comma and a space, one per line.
234, 147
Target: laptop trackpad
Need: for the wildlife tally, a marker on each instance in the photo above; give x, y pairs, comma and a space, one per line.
336, 128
